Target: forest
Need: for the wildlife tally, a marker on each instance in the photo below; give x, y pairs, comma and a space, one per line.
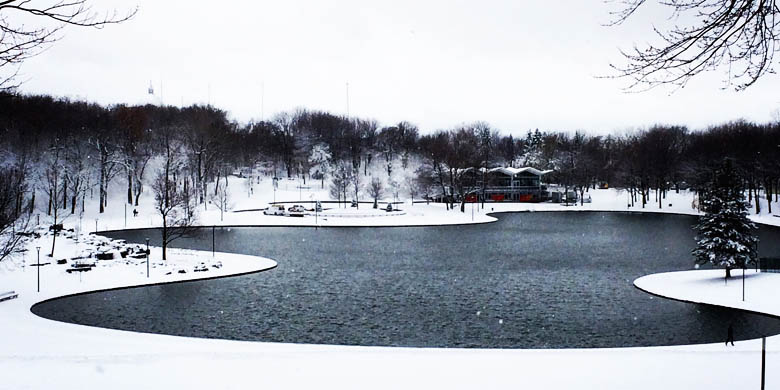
55, 152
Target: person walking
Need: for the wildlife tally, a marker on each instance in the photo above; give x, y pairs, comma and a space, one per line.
730, 336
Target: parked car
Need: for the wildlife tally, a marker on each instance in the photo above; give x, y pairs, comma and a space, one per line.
296, 211
274, 209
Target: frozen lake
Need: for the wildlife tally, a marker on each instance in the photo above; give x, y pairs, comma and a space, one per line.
530, 280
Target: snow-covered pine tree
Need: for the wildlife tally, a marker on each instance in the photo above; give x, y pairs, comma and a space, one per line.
724, 233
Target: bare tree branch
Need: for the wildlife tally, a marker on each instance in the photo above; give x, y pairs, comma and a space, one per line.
19, 42
742, 35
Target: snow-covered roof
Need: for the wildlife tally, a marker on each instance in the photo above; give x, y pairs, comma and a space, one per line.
509, 171
514, 171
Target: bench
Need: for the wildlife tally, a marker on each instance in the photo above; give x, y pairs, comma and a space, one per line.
8, 295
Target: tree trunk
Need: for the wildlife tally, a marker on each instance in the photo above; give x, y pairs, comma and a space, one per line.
728, 272
65, 193
101, 185
200, 179
75, 195
452, 186
54, 236
53, 239
129, 187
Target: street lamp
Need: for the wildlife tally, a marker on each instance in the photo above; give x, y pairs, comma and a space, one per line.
39, 267
147, 258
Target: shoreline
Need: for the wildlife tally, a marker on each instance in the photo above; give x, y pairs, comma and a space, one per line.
343, 366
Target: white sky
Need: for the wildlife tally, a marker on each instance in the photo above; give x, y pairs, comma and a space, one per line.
518, 65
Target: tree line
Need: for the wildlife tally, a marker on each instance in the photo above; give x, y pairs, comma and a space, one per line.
65, 151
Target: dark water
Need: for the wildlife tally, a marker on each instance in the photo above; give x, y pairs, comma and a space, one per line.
531, 280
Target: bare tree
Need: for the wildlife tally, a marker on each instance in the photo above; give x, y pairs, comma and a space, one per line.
175, 204
12, 183
20, 41
742, 35
173, 201
356, 183
77, 171
53, 176
412, 187
222, 199
375, 190
340, 181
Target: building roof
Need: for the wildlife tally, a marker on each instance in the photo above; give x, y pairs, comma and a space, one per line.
509, 171
514, 171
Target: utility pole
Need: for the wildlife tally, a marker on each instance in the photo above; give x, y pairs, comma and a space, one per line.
147, 258
763, 362
39, 267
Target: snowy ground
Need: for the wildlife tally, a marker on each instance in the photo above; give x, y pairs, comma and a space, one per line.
42, 354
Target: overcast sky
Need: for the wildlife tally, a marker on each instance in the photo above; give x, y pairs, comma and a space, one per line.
518, 65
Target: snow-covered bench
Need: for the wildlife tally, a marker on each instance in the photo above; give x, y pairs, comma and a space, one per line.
8, 295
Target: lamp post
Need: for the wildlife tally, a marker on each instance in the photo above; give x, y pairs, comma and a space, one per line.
39, 267
147, 258
763, 361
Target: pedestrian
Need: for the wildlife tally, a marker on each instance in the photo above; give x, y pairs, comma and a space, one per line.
730, 336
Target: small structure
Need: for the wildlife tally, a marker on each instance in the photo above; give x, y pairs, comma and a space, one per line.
504, 184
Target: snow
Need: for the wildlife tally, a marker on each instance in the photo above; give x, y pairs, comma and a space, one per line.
41, 354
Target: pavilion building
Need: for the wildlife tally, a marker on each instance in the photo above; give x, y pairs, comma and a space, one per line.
504, 184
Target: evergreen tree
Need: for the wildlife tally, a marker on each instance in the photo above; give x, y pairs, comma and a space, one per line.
725, 234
